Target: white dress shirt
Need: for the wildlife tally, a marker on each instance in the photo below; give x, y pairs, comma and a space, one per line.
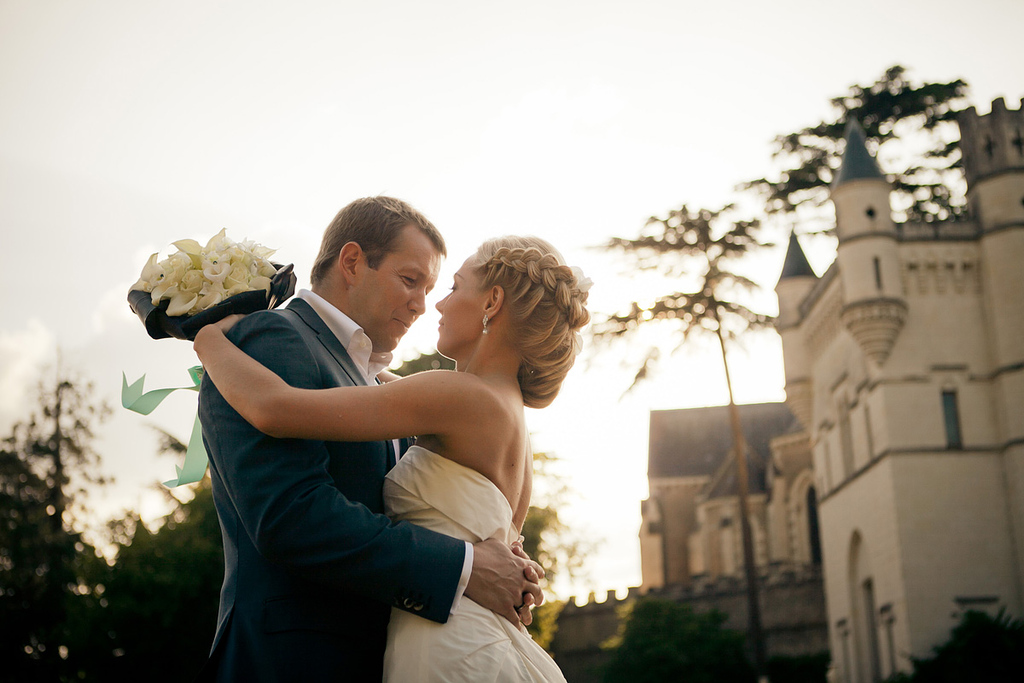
360, 350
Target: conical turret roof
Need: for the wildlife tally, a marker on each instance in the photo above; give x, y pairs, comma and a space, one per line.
858, 164
796, 264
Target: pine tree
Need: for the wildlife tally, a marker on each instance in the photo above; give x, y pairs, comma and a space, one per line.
912, 130
43, 464
706, 245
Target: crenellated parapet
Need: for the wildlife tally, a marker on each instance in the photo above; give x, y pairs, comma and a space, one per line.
793, 606
991, 144
702, 587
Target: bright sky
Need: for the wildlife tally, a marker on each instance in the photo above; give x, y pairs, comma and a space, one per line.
126, 125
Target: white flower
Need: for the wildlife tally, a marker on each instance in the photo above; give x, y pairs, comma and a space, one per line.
196, 277
583, 283
192, 281
216, 271
182, 303
209, 299
260, 282
151, 273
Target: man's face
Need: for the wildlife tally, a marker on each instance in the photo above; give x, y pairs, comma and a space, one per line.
386, 301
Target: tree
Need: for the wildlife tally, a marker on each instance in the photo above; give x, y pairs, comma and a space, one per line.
707, 246
549, 541
423, 362
161, 595
895, 113
154, 611
660, 640
980, 648
42, 582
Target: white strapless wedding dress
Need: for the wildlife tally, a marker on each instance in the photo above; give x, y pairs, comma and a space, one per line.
476, 645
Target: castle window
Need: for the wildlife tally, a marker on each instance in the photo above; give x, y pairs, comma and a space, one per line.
870, 212
951, 417
870, 621
990, 147
878, 274
845, 438
1018, 142
867, 433
812, 526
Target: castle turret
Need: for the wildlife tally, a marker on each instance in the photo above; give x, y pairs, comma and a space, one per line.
875, 308
794, 284
993, 153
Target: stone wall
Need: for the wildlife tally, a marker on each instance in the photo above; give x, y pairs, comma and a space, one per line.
792, 610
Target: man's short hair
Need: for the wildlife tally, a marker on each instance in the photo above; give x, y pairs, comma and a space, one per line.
374, 223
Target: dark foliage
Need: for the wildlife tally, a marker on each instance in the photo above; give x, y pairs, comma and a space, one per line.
892, 111
159, 605
981, 648
806, 669
426, 361
43, 585
660, 640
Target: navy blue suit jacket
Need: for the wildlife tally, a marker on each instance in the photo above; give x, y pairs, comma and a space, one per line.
312, 566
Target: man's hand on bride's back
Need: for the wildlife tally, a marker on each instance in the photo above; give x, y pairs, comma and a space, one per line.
505, 581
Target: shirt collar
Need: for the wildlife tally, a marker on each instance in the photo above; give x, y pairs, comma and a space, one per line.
350, 334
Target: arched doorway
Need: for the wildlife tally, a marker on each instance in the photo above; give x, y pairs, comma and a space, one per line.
866, 665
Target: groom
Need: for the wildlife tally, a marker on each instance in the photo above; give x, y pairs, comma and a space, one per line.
312, 566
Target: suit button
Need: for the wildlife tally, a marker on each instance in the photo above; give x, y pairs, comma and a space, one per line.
418, 607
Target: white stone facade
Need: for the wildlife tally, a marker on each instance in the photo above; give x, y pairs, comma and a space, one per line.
905, 365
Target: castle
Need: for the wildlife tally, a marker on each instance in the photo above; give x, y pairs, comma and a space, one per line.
905, 367
905, 373
690, 541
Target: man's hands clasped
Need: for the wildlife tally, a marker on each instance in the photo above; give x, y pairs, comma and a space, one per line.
505, 580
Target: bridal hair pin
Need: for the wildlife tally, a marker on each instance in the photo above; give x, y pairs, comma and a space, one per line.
583, 283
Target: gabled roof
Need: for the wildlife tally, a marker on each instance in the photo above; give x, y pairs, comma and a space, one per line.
695, 442
858, 164
796, 264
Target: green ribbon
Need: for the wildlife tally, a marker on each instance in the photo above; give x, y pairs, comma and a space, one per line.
133, 399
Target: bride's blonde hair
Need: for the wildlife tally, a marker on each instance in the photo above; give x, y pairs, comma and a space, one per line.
546, 307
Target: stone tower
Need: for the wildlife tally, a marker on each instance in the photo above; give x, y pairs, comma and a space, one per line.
794, 284
875, 309
993, 153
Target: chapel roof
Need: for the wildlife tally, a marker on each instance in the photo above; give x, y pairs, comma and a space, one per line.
694, 442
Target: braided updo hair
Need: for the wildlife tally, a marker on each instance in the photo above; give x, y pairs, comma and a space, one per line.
546, 307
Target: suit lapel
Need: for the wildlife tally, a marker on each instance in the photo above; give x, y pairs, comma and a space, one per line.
333, 346
327, 339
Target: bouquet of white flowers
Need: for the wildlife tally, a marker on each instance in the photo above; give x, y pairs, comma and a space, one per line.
199, 285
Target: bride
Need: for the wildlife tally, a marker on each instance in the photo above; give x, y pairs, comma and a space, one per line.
511, 324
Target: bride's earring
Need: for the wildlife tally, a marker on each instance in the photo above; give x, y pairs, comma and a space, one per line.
485, 324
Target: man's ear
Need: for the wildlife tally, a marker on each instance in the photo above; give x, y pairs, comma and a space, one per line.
351, 260
495, 300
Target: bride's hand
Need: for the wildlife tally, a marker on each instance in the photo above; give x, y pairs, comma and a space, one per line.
206, 337
225, 324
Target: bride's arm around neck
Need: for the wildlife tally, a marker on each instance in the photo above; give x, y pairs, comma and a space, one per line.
437, 402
